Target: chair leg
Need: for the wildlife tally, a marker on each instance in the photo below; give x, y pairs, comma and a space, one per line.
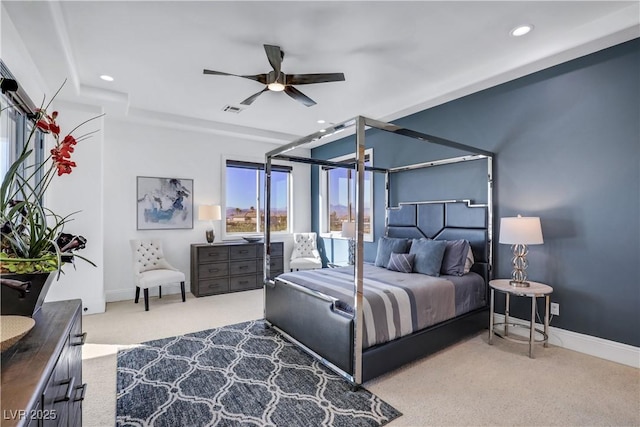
146, 299
182, 290
137, 294
159, 291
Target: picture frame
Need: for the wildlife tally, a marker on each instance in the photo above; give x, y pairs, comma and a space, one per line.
164, 203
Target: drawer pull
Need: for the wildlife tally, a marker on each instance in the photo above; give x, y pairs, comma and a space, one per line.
243, 267
214, 270
83, 339
244, 282
244, 251
70, 387
83, 389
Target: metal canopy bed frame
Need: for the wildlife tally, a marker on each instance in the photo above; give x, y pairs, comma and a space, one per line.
314, 322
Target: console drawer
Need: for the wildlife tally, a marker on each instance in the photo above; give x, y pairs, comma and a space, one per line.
240, 283
213, 286
243, 252
242, 267
216, 269
213, 254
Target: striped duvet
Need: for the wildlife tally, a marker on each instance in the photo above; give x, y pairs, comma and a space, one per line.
395, 304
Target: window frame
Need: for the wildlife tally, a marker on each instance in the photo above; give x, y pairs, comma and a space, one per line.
258, 166
324, 199
19, 126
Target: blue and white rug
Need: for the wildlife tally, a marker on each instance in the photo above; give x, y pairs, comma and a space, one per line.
238, 375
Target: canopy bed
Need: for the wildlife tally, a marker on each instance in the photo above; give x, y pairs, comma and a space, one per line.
367, 319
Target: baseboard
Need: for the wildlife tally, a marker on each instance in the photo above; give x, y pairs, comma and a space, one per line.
587, 344
130, 294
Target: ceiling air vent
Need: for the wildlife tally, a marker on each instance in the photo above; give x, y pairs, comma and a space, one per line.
231, 109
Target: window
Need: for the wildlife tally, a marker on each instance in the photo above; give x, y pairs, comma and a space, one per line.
339, 193
245, 197
15, 131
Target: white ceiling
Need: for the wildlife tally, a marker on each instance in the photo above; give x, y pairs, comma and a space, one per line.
397, 57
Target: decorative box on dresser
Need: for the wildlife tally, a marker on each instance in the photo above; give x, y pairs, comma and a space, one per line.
42, 373
229, 267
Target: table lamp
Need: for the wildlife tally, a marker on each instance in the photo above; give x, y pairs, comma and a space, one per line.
349, 232
209, 213
519, 232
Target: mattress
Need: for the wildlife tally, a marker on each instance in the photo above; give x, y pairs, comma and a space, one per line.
396, 304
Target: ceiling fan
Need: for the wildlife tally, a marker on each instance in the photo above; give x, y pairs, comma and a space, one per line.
278, 81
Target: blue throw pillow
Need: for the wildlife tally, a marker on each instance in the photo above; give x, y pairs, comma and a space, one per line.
429, 255
387, 245
401, 262
455, 257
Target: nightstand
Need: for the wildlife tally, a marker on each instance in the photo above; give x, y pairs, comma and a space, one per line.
534, 291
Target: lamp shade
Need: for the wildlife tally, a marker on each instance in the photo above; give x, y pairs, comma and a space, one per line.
209, 212
349, 229
521, 230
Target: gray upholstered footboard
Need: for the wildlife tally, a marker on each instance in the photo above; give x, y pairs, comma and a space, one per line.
311, 319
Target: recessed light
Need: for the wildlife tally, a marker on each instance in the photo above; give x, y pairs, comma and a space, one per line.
321, 121
323, 130
521, 30
106, 78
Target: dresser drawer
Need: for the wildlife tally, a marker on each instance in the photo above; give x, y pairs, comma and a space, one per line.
240, 283
243, 251
212, 254
213, 286
277, 249
276, 264
242, 267
215, 269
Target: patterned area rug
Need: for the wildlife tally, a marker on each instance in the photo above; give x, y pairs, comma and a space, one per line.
244, 374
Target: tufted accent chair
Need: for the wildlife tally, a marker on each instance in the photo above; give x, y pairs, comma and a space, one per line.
305, 255
150, 269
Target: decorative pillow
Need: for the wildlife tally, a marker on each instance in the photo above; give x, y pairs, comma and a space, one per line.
469, 261
429, 255
387, 245
455, 257
401, 262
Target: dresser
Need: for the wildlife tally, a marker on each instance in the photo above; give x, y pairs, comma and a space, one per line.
42, 373
231, 267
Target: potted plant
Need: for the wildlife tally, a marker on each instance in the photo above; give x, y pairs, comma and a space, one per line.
34, 245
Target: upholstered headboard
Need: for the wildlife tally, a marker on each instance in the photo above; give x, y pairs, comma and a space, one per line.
445, 221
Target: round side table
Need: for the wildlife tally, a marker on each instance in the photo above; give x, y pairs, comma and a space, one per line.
534, 291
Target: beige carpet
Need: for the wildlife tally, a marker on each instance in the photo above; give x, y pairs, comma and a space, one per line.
470, 383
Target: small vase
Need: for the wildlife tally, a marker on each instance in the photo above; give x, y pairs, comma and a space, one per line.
25, 299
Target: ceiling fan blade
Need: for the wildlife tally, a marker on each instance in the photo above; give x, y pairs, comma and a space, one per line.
262, 78
299, 96
275, 56
303, 79
253, 97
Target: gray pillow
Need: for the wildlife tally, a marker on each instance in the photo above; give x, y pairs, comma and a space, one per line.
455, 257
387, 245
401, 262
429, 255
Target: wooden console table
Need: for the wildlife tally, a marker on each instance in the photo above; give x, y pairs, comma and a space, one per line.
42, 373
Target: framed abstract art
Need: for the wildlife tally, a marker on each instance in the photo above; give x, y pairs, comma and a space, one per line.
164, 203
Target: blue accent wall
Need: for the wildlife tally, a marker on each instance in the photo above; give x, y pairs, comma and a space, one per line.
567, 144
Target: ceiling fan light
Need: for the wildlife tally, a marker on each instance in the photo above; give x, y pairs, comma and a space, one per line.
276, 86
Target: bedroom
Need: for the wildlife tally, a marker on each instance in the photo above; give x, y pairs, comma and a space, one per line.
552, 162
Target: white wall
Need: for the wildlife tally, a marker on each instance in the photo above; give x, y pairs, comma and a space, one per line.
81, 192
133, 149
